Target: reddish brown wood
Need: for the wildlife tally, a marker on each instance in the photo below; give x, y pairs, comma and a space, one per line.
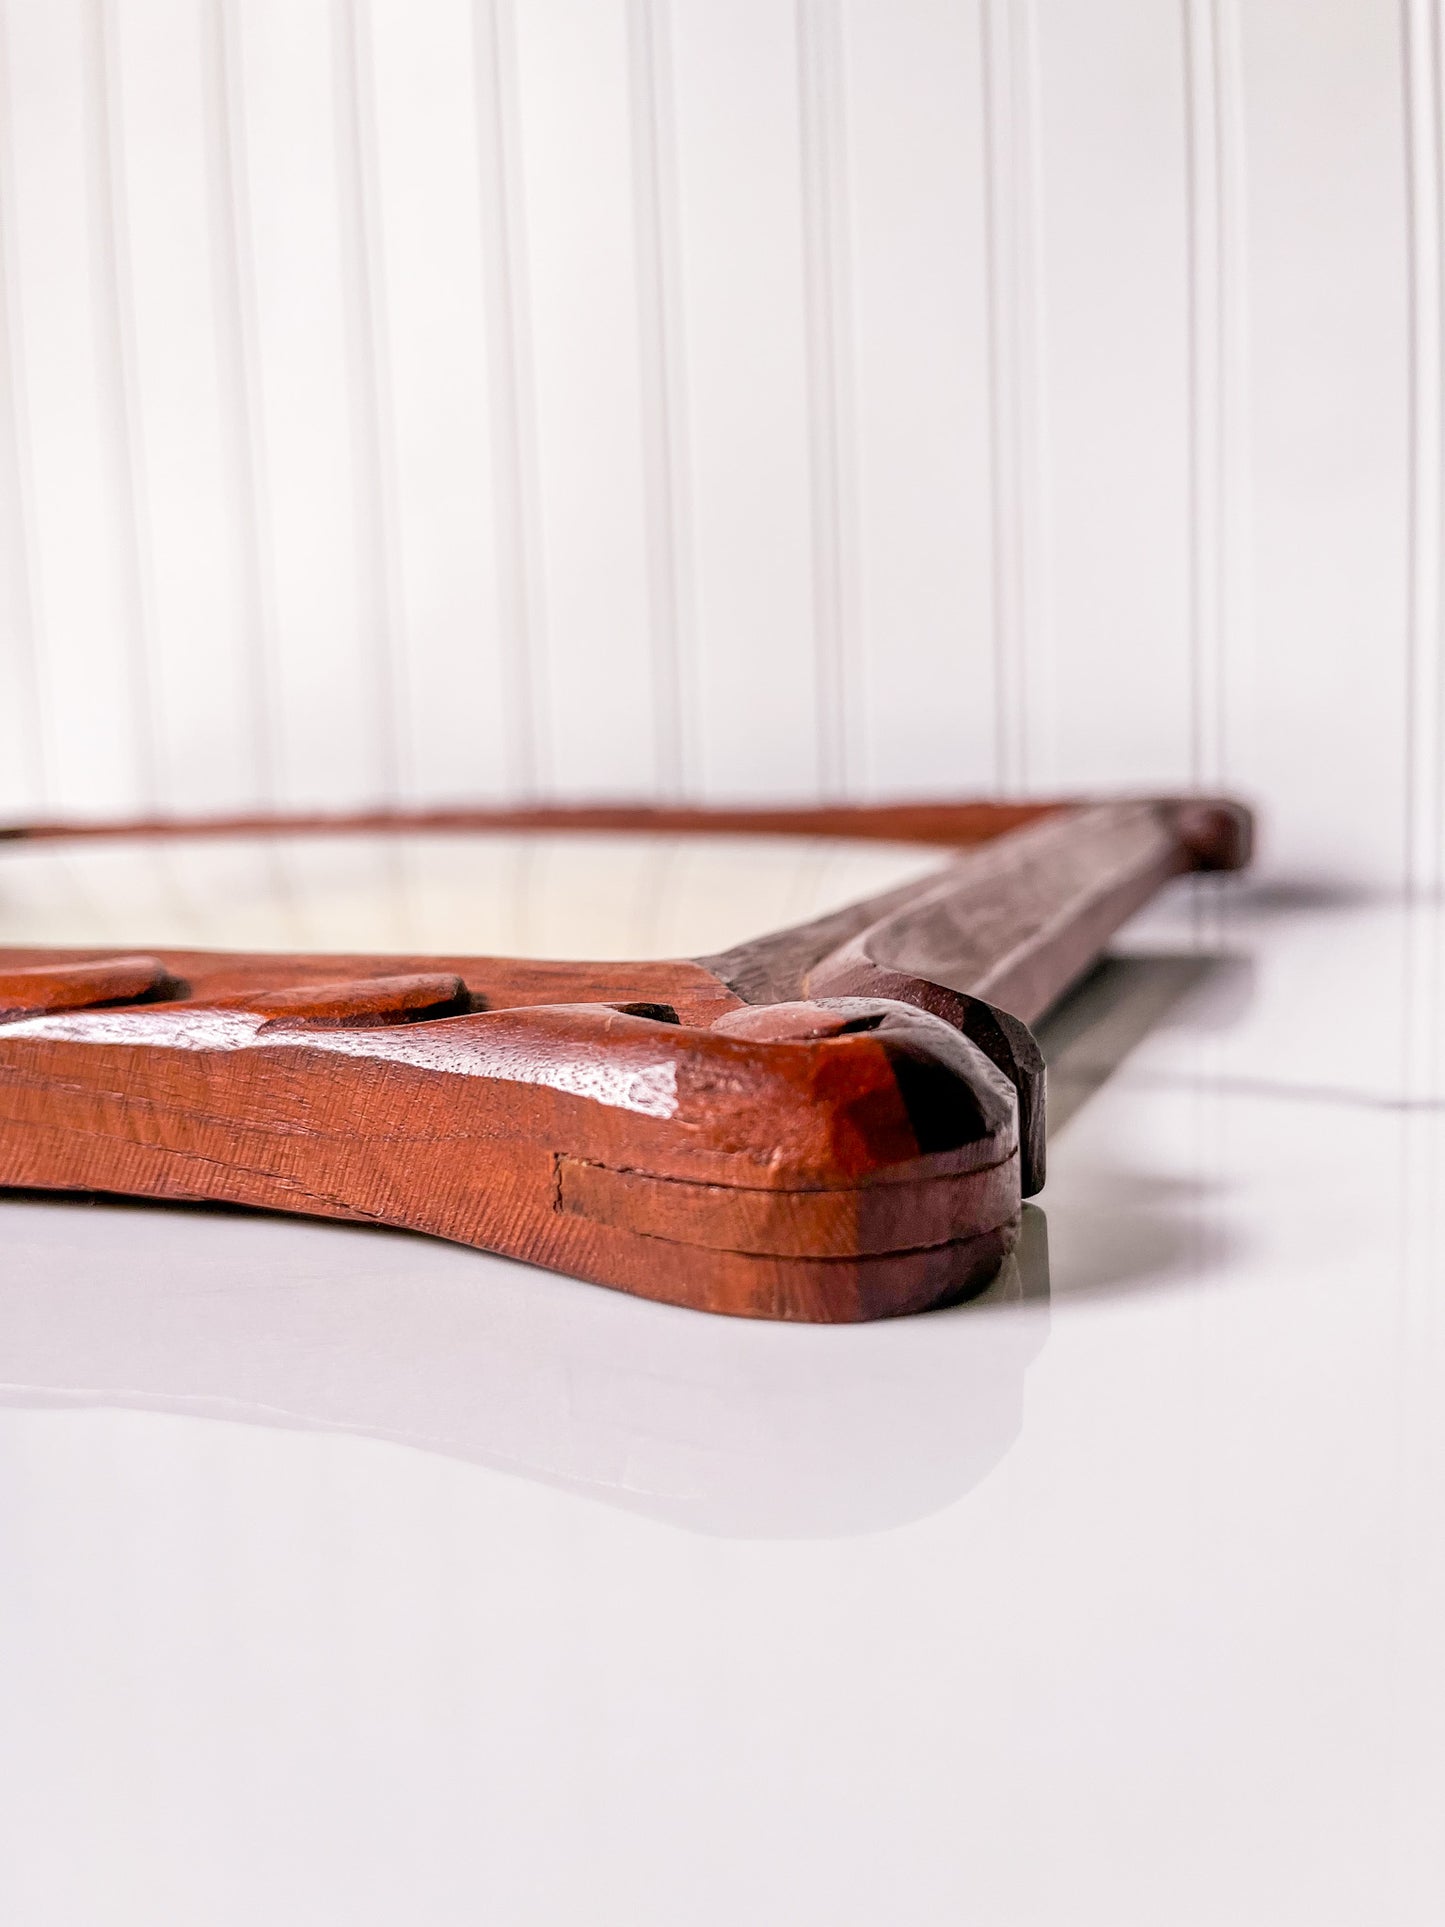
950, 824
47, 985
356, 1003
835, 1122
687, 988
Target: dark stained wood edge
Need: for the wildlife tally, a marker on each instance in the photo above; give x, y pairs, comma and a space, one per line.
990, 942
1149, 840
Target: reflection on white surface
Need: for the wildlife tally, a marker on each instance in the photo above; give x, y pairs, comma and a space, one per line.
1168, 1653
718, 1424
472, 893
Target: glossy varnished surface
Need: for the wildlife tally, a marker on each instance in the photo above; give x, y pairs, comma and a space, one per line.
338, 1587
834, 1122
582, 1115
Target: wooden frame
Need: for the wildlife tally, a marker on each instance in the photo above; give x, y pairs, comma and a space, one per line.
834, 1122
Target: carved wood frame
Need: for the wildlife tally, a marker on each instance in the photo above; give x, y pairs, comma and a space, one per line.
834, 1122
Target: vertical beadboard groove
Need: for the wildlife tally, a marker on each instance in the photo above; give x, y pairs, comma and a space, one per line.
1198, 149
1415, 114
17, 482
115, 350
999, 336
682, 506
1423, 724
1213, 160
239, 369
372, 414
1235, 661
1036, 726
510, 381
1431, 652
666, 455
1203, 193
1017, 431
828, 305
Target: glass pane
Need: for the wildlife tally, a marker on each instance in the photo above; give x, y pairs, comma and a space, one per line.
458, 893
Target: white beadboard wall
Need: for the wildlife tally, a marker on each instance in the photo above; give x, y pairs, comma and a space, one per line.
446, 399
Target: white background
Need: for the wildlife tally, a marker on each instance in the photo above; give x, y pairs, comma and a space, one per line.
444, 399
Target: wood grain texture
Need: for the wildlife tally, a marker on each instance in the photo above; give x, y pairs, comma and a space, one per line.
79, 986
836, 1122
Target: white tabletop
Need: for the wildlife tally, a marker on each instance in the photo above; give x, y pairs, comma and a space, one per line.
351, 1578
